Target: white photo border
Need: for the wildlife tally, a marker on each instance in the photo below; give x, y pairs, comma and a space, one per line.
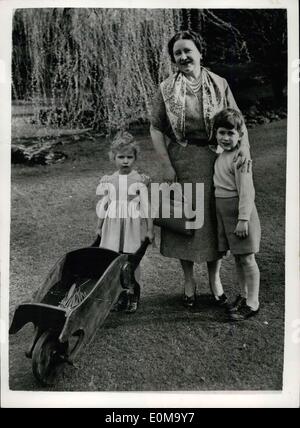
289, 396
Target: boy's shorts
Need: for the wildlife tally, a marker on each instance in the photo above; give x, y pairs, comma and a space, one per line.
227, 218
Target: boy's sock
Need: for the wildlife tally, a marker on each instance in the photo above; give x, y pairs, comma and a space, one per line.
252, 277
241, 280
215, 281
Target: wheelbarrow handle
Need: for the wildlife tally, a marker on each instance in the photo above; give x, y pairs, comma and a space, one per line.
136, 257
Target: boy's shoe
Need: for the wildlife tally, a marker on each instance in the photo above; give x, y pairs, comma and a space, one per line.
237, 304
222, 301
242, 313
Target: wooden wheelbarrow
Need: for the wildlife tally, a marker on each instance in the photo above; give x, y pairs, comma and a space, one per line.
74, 301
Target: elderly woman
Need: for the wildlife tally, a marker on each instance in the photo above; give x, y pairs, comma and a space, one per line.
181, 127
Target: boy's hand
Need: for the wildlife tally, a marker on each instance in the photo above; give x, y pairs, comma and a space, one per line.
150, 235
241, 230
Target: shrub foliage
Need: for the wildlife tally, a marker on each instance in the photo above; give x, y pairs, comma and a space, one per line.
101, 67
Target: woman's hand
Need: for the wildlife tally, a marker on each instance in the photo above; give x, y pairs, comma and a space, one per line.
159, 143
242, 157
241, 230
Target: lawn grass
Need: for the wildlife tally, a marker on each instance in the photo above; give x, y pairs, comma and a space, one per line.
162, 347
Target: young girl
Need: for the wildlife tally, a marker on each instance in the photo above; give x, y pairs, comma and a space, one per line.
124, 219
238, 222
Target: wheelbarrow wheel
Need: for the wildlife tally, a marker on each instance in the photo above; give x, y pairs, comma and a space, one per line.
46, 358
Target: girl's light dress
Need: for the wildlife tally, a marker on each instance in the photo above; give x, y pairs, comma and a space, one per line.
124, 207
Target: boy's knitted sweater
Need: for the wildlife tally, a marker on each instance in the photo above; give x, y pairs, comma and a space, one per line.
231, 182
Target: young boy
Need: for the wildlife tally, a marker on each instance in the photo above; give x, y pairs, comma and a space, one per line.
237, 218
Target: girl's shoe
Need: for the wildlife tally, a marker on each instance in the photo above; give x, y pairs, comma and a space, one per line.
243, 313
189, 301
133, 298
239, 302
133, 304
122, 302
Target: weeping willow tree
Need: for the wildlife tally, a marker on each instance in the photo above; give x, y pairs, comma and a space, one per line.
100, 64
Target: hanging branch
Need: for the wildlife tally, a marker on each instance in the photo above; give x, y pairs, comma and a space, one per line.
98, 67
227, 26
216, 20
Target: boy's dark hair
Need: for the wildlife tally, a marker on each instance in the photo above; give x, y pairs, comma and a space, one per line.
228, 118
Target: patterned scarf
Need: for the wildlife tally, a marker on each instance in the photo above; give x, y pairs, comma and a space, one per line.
174, 92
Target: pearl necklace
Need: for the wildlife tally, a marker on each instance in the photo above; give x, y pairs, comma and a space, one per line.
195, 85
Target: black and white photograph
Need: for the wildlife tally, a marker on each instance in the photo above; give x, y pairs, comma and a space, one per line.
150, 204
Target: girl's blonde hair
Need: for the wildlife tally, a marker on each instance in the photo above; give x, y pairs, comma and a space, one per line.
123, 141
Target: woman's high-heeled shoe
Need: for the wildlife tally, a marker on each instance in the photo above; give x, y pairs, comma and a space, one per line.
189, 301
